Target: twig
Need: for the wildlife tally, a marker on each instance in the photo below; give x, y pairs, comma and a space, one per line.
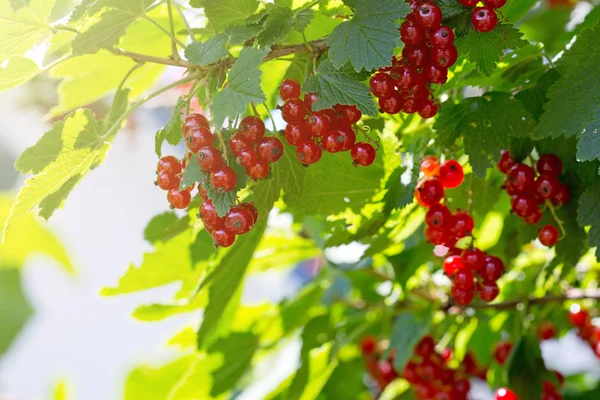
156, 60
159, 26
174, 51
185, 22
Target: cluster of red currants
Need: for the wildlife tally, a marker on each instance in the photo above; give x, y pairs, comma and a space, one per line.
330, 129
484, 18
381, 371
238, 221
529, 192
168, 177
581, 319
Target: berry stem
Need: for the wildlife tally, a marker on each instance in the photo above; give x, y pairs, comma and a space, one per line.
558, 220
174, 52
185, 22
270, 117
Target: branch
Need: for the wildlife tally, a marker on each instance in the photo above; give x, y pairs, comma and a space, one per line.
156, 60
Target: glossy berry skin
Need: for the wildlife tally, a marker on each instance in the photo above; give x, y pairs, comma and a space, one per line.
442, 37
562, 195
363, 154
521, 177
392, 104
469, 3
473, 259
209, 158
547, 331
463, 279
430, 166
382, 85
548, 235
430, 192
484, 19
505, 394
533, 218
308, 152
429, 109
578, 316
462, 225
253, 128
452, 264
451, 174
489, 291
417, 56
170, 165
247, 157
438, 217
294, 133
405, 76
167, 181
310, 99
546, 186
444, 57
208, 214
349, 114
318, 124
549, 164
506, 162
411, 34
493, 268
435, 236
368, 345
333, 141
428, 16
269, 149
524, 204
194, 121
238, 142
199, 137
502, 351
411, 105
179, 198
289, 89
347, 137
258, 170
239, 220
425, 347
463, 297
495, 3
293, 110
434, 74
223, 179
252, 209
222, 237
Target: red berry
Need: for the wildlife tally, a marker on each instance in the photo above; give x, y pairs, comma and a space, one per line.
167, 181
549, 164
547, 331
332, 142
506, 162
505, 394
452, 264
546, 186
438, 217
430, 166
562, 195
258, 170
294, 133
493, 268
429, 109
534, 218
578, 316
252, 209
430, 192
209, 158
179, 198
405, 76
548, 235
434, 74
363, 154
237, 142
247, 158
428, 16
252, 128
199, 137
318, 123
392, 104
193, 121
444, 57
368, 345
411, 33
347, 137
239, 220
442, 37
484, 19
462, 225
310, 99
289, 88
469, 3
350, 114
495, 3
502, 351
489, 291
269, 149
435, 236
464, 279
417, 56
208, 214
223, 179
202, 192
170, 165
293, 110
521, 177
382, 85
425, 347
451, 174
463, 297
473, 259
411, 105
308, 152
525, 204
222, 237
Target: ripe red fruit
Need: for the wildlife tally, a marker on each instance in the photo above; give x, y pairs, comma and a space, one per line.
318, 123
222, 237
463, 297
252, 209
452, 264
310, 99
548, 235
237, 142
382, 85
223, 179
428, 16
484, 19
202, 192
438, 217
425, 347
239, 220
199, 137
332, 142
534, 218
293, 110
434, 74
547, 331
294, 133
462, 225
502, 351
430, 192
430, 166
289, 88
505, 394
368, 345
442, 37
179, 198
308, 152
247, 157
411, 33
170, 165
209, 158
451, 174
194, 121
258, 170
578, 316
349, 114
524, 204
417, 56
469, 3
549, 164
464, 279
521, 177
405, 76
391, 104
493, 268
546, 186
489, 291
347, 137
429, 108
363, 154
495, 3
167, 181
269, 149
208, 214
473, 259
253, 128
444, 57
435, 236
562, 195
506, 162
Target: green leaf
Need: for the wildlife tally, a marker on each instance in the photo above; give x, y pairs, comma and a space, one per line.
192, 174
222, 201
202, 248
241, 33
172, 130
302, 19
486, 123
340, 86
243, 86
573, 108
61, 157
15, 309
150, 382
279, 23
589, 215
407, 331
165, 226
485, 49
17, 71
209, 52
224, 13
227, 277
400, 191
574, 244
237, 351
23, 28
111, 25
369, 38
526, 369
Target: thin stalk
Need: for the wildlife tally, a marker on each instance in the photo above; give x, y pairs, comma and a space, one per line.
159, 26
174, 51
185, 22
558, 220
270, 117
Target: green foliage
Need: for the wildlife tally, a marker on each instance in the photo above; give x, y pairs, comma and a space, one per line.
589, 215
172, 130
526, 368
15, 309
407, 331
209, 52
17, 71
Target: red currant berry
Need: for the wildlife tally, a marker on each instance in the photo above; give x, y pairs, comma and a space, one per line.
253, 128
347, 137
239, 220
405, 76
484, 19
247, 158
223, 179
222, 237
332, 142
505, 394
199, 137
469, 3
549, 164
318, 123
430, 166
578, 316
425, 347
308, 152
495, 3
534, 218
429, 109
193, 121
548, 235
258, 170
428, 16
392, 104
294, 133
430, 192
411, 34
547, 331
442, 37
382, 85
209, 215
452, 264
444, 57
489, 291
525, 204
209, 158
293, 111
289, 88
237, 143
368, 345
252, 209
492, 270
562, 195
179, 198
170, 165
506, 162
363, 154
167, 181
434, 74
349, 114
417, 56
546, 186
521, 177
435, 236
310, 99
473, 259
462, 225
463, 297
438, 217
411, 105
502, 351
464, 279
270, 149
